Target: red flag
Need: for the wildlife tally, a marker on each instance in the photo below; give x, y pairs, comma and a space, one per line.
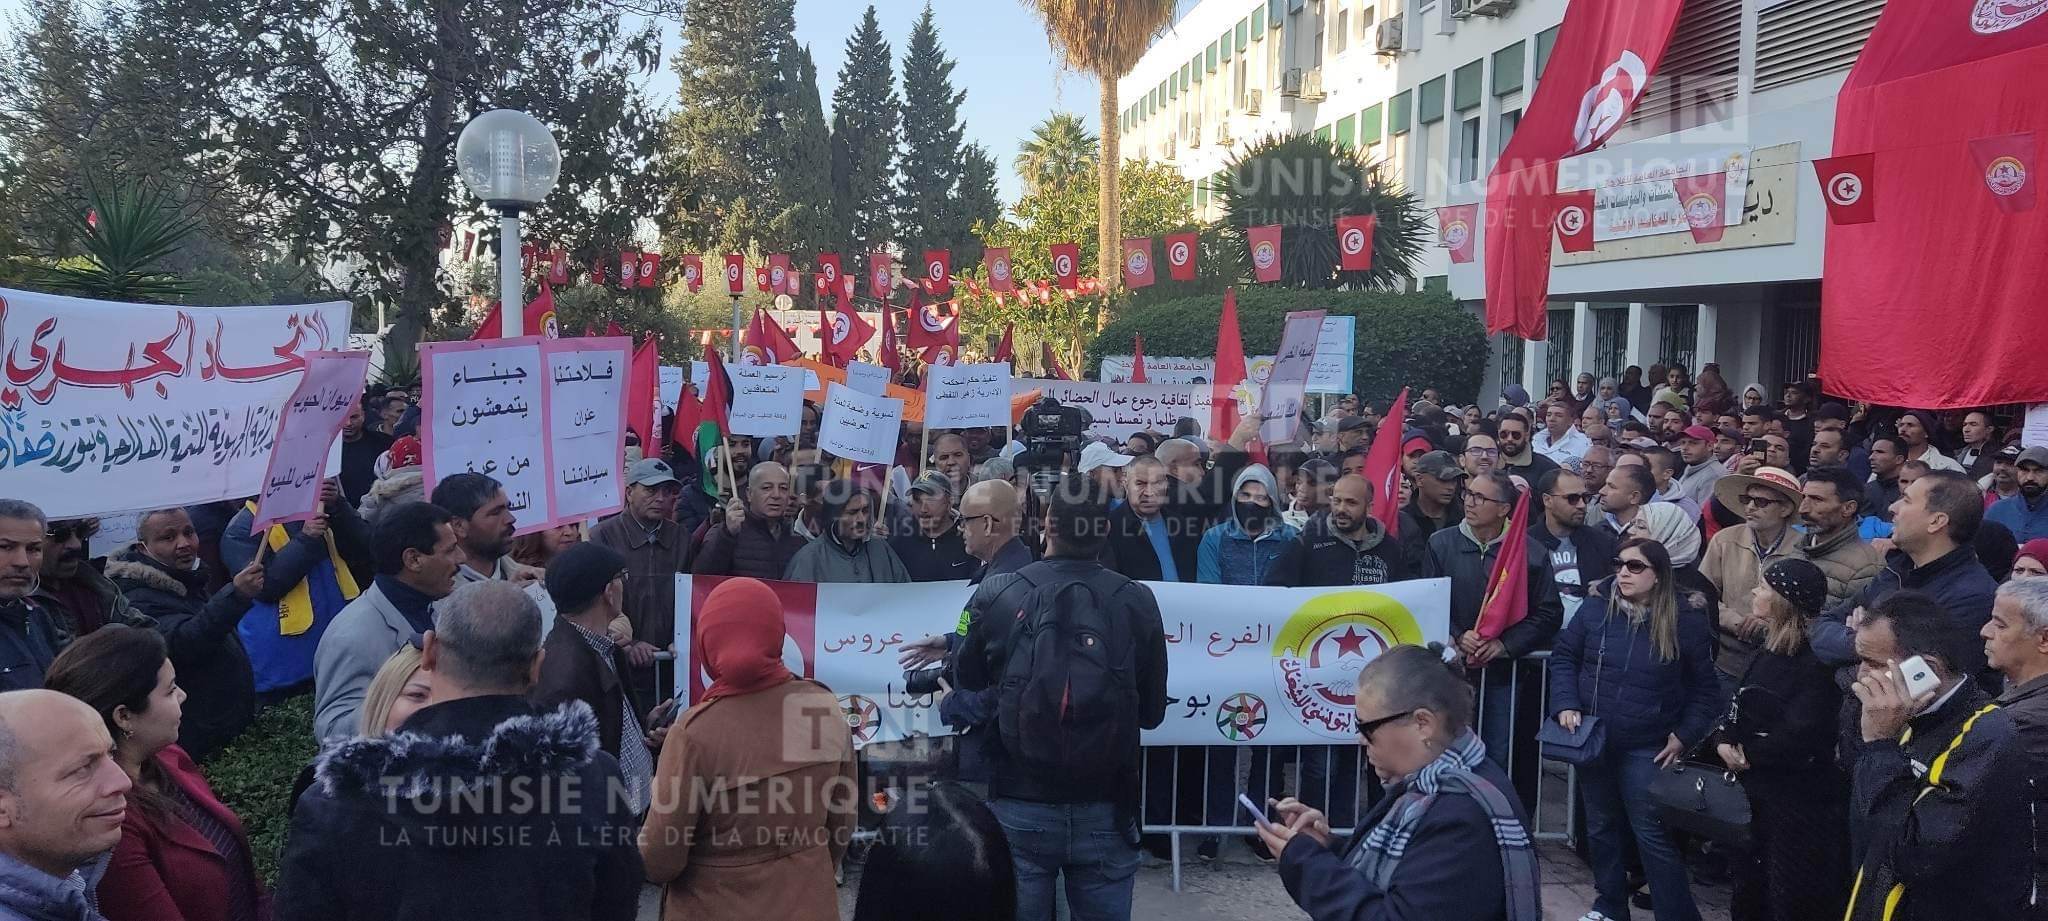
848, 334
1705, 203
1052, 362
1005, 350
938, 270
1383, 465
650, 269
1354, 241
765, 342
538, 319
1574, 220
846, 287
892, 352
735, 273
612, 328
2007, 164
940, 355
1454, 225
1507, 586
629, 269
761, 278
927, 327
829, 271
1000, 277
1845, 184
778, 272
880, 279
795, 283
597, 273
643, 381
693, 272
717, 403
1223, 408
1265, 247
558, 267
588, 331
1138, 262
1138, 361
526, 256
1066, 264
1180, 255
689, 411
1605, 54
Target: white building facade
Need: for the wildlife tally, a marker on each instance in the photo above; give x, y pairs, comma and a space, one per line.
1434, 88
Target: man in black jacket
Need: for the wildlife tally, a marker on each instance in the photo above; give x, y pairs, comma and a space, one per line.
1342, 546
582, 662
481, 806
1145, 542
28, 637
2016, 643
1579, 555
935, 550
1101, 866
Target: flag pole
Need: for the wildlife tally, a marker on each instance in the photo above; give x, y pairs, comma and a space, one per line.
733, 349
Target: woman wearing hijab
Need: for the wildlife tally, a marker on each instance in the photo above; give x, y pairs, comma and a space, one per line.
1754, 396
753, 805
1611, 403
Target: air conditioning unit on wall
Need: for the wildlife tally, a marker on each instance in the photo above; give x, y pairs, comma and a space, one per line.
1387, 38
1467, 8
1290, 83
1252, 101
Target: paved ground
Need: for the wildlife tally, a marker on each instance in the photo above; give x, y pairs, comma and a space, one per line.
1239, 888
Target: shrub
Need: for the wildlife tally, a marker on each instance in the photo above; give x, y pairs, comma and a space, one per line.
254, 774
1413, 340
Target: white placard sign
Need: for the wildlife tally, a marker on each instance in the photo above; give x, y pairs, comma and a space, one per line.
1335, 347
485, 413
587, 396
1281, 401
867, 378
313, 418
2035, 430
670, 387
767, 400
967, 396
1120, 409
860, 426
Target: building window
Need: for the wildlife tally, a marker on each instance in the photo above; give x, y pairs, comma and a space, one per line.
1557, 359
1505, 130
1610, 341
1679, 334
1511, 360
1419, 181
1366, 20
1341, 38
1468, 150
1237, 78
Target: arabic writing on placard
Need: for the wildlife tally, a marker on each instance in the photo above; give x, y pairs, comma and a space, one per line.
1287, 386
767, 400
860, 426
867, 378
313, 417
484, 408
586, 411
1335, 347
1120, 409
967, 396
105, 406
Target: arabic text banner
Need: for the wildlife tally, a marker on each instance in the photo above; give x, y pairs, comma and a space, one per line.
1245, 665
106, 407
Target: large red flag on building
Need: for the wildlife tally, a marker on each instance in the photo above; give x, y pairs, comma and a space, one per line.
1383, 465
1006, 350
1223, 408
1265, 246
1354, 242
1605, 54
1507, 585
1846, 185
735, 273
938, 271
643, 384
1001, 275
1181, 255
693, 272
1138, 360
537, 320
1138, 262
1572, 212
1944, 270
1066, 264
1457, 231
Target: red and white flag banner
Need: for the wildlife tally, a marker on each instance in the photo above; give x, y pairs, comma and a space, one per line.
1066, 265
1264, 243
1847, 184
1704, 202
1001, 275
1457, 230
735, 273
1181, 255
1354, 242
1138, 262
1572, 214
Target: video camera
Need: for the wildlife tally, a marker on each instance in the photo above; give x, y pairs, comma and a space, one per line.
1052, 436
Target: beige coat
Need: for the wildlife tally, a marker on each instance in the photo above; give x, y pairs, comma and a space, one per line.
753, 804
1731, 563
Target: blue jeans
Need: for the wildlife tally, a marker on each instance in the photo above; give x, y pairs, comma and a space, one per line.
1086, 843
1497, 719
1617, 794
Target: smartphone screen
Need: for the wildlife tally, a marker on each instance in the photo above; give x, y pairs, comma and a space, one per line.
1253, 808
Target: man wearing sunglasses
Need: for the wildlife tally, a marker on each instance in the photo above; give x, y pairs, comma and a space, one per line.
1579, 555
1737, 557
78, 596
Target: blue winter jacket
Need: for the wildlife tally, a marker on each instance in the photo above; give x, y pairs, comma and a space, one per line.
2025, 521
1229, 555
1641, 698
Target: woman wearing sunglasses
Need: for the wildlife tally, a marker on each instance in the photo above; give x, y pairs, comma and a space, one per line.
1640, 657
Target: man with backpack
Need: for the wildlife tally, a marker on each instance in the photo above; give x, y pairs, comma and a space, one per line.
1071, 659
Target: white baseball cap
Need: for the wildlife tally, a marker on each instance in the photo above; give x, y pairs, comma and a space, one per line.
1098, 454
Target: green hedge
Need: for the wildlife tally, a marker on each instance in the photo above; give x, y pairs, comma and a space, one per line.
1414, 340
253, 775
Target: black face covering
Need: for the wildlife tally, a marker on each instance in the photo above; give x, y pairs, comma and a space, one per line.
1254, 516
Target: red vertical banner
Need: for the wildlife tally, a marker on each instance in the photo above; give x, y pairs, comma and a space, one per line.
693, 272
880, 279
892, 352
1848, 184
2009, 168
846, 289
1066, 264
778, 272
1223, 405
829, 270
735, 273
938, 271
1180, 255
597, 272
558, 266
1138, 262
526, 256
1574, 220
643, 383
1000, 272
1705, 200
1264, 243
1454, 231
650, 270
629, 268
761, 278
1354, 242
1383, 465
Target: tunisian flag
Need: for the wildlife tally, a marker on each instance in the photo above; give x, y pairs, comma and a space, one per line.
1066, 264
1052, 362
1507, 585
1606, 52
1180, 255
1265, 246
928, 328
828, 271
892, 353
693, 272
1457, 229
1944, 270
1223, 411
1000, 277
650, 269
1138, 262
1006, 350
1845, 182
735, 269
938, 271
1572, 212
1383, 465
537, 320
1354, 242
848, 333
643, 382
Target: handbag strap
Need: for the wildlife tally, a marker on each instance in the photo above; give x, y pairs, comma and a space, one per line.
1601, 665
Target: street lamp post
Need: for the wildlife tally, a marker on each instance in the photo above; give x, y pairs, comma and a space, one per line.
508, 159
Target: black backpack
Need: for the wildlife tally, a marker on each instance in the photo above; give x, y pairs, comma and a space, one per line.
1068, 702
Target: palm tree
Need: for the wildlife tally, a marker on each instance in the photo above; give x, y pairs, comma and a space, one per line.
1060, 149
127, 234
1104, 38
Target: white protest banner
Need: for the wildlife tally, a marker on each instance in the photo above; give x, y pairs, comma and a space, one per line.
866, 378
1335, 348
670, 387
313, 417
1159, 369
106, 407
967, 396
2034, 431
485, 412
767, 400
585, 425
860, 426
1120, 409
1245, 665
1287, 386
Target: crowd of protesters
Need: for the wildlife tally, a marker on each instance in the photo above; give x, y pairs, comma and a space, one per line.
1836, 605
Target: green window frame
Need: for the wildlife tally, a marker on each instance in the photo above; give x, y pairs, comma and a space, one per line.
1400, 111
1259, 24
1467, 86
1546, 42
1347, 132
1507, 68
1173, 88
1210, 56
1371, 125
1244, 31
1229, 44
1323, 133
1429, 102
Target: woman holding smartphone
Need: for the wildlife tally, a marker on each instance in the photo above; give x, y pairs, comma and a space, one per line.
1641, 658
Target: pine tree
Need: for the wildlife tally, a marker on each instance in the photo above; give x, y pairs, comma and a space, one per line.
864, 110
929, 212
810, 223
723, 142
980, 203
